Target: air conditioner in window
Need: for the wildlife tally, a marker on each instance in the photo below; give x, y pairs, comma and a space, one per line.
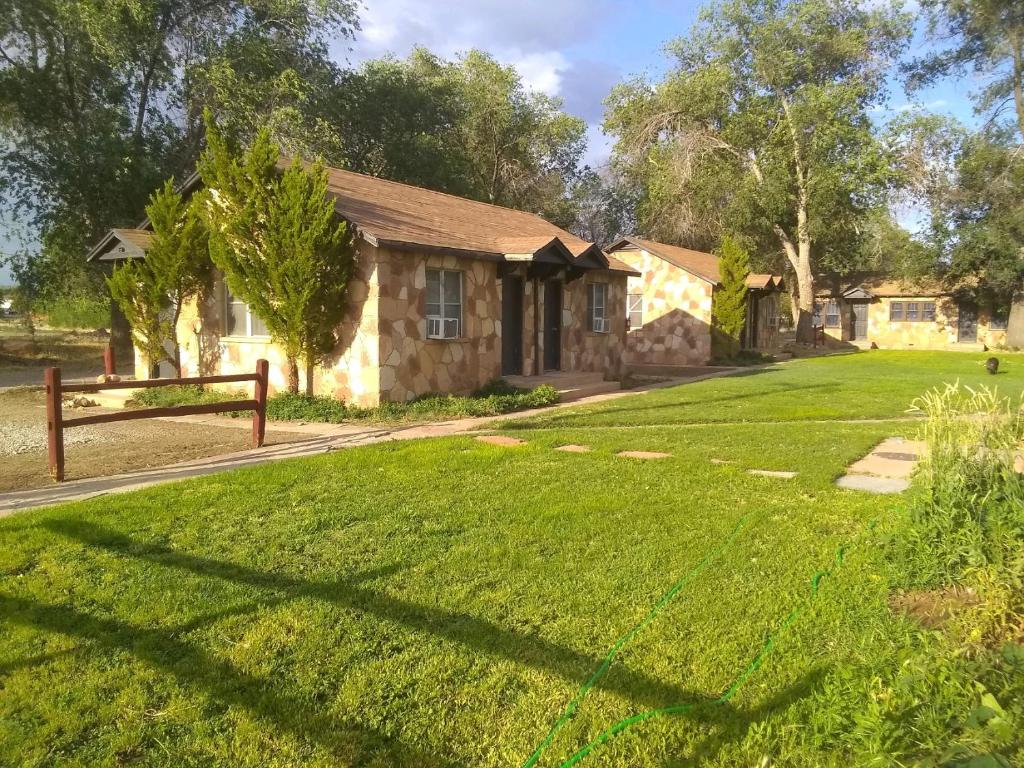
601, 324
434, 327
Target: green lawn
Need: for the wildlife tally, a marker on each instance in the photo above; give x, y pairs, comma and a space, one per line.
877, 384
439, 603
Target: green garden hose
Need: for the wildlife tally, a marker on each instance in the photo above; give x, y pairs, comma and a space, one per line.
570, 710
676, 709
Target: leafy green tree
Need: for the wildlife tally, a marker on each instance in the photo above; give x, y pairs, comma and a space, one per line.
280, 244
152, 292
101, 101
522, 150
983, 38
468, 126
729, 308
972, 186
603, 206
762, 128
399, 120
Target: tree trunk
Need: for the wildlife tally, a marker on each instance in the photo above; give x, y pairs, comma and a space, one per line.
293, 374
1018, 79
176, 359
309, 378
805, 305
1015, 325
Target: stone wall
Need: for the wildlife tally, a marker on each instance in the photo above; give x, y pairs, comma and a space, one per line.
584, 350
412, 364
942, 333
384, 353
351, 374
676, 326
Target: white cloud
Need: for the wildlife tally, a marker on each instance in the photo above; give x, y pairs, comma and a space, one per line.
542, 71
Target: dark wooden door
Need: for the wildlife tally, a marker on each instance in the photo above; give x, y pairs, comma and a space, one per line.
967, 323
552, 325
860, 320
511, 326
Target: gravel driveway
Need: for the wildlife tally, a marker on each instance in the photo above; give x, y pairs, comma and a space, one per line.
102, 449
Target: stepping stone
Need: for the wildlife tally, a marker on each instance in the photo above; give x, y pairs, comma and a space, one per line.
873, 464
781, 474
872, 484
895, 456
721, 461
900, 445
574, 448
643, 455
501, 440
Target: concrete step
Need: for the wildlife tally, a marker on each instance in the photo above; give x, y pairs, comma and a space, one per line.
572, 393
675, 371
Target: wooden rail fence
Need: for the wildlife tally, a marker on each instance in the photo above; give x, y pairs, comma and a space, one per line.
56, 423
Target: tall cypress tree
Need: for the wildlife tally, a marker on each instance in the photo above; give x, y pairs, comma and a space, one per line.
280, 244
177, 268
729, 309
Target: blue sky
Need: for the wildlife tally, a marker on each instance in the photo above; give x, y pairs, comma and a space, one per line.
575, 49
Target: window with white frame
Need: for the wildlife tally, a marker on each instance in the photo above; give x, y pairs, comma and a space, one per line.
444, 304
635, 310
832, 313
238, 318
597, 307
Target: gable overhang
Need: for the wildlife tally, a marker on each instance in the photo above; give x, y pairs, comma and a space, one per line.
120, 245
857, 293
632, 244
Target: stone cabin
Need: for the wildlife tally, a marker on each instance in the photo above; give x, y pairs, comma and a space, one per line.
447, 295
670, 296
875, 310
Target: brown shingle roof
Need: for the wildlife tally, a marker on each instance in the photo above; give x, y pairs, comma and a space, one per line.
390, 213
699, 263
881, 286
398, 214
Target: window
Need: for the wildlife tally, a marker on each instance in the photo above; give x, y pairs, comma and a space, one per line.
635, 310
912, 311
832, 313
597, 302
444, 304
999, 319
238, 318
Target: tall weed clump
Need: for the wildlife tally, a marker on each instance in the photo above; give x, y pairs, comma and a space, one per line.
946, 693
970, 516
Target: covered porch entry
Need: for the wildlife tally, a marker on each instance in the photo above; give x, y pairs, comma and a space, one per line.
533, 287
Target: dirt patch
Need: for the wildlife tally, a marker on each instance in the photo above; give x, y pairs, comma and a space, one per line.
933, 608
103, 449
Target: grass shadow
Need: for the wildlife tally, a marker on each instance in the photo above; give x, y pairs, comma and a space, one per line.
466, 629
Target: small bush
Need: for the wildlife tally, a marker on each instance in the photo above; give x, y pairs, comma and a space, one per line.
289, 406
164, 397
82, 312
497, 387
501, 399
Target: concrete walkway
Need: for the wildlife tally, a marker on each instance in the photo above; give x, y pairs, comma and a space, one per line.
322, 439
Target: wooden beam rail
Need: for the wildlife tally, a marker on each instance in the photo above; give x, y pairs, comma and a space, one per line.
163, 411
56, 423
151, 383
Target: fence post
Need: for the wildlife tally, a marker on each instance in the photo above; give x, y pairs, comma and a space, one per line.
259, 416
109, 366
54, 425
